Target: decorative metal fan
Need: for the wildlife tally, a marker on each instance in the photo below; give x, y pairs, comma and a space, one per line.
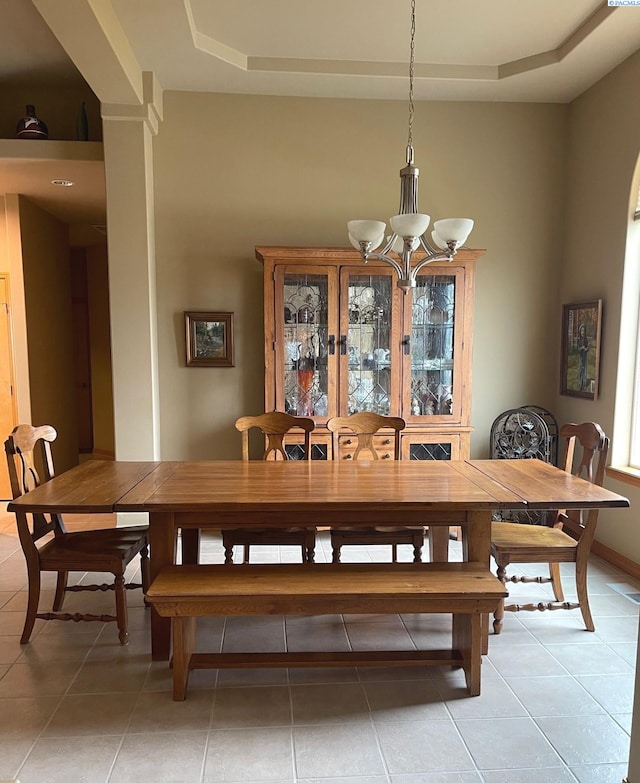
529, 432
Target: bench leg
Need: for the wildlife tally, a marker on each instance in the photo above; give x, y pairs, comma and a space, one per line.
184, 639
467, 638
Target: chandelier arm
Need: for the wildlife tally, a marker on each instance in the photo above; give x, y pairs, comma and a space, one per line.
387, 260
428, 260
383, 251
424, 244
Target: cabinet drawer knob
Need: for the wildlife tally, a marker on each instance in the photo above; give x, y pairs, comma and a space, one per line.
386, 456
387, 441
348, 441
349, 456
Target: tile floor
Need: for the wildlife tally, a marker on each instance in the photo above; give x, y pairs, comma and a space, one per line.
555, 706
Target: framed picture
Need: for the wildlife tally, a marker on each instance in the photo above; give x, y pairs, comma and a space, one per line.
209, 339
580, 370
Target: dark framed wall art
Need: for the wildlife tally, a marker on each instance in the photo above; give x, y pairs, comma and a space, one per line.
209, 339
580, 368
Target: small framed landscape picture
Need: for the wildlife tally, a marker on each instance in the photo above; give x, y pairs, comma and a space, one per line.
209, 339
580, 369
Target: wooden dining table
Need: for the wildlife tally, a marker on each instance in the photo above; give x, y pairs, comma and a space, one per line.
217, 494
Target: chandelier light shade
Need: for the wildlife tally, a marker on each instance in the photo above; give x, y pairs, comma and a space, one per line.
410, 226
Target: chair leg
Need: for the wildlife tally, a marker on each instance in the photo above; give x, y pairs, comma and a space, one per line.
145, 573
32, 605
583, 598
309, 548
335, 549
245, 554
228, 550
121, 609
144, 568
61, 586
556, 581
417, 549
394, 553
498, 615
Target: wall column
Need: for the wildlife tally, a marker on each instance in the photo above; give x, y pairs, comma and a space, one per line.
128, 145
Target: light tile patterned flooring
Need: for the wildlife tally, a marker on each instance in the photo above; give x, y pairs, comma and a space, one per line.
555, 707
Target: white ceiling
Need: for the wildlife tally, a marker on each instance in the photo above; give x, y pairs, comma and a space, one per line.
472, 50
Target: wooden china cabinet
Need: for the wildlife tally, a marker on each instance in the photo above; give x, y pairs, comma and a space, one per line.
341, 337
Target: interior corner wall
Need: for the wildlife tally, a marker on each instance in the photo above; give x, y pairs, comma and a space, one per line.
100, 350
4, 252
602, 159
47, 296
11, 262
260, 170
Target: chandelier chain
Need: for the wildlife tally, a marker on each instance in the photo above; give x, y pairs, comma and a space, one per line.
409, 226
411, 70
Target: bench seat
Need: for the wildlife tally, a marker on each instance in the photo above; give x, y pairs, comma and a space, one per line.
466, 590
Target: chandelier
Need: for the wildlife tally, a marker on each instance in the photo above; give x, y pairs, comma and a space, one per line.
409, 227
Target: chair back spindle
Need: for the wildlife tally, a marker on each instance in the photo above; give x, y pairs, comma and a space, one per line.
274, 425
21, 448
593, 447
365, 426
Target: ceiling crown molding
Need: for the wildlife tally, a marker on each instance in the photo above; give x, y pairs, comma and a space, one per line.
246, 62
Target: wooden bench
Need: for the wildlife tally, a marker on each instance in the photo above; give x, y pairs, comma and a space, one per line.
466, 590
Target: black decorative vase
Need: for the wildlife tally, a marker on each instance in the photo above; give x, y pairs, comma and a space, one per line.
30, 127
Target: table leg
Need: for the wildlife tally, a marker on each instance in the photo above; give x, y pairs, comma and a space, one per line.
191, 545
476, 537
438, 543
162, 546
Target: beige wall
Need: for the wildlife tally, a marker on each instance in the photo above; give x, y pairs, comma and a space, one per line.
4, 255
47, 293
100, 342
602, 157
232, 172
11, 262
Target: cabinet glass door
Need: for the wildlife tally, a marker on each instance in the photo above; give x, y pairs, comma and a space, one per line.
305, 343
434, 359
369, 361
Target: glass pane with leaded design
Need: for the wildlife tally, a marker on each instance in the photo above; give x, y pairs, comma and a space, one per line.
369, 344
305, 344
432, 345
431, 451
295, 451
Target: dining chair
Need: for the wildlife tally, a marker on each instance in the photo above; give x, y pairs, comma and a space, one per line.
274, 426
567, 538
365, 440
48, 546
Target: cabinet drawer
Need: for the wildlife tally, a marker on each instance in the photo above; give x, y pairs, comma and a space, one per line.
383, 445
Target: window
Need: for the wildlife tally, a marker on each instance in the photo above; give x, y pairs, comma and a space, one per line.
625, 443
